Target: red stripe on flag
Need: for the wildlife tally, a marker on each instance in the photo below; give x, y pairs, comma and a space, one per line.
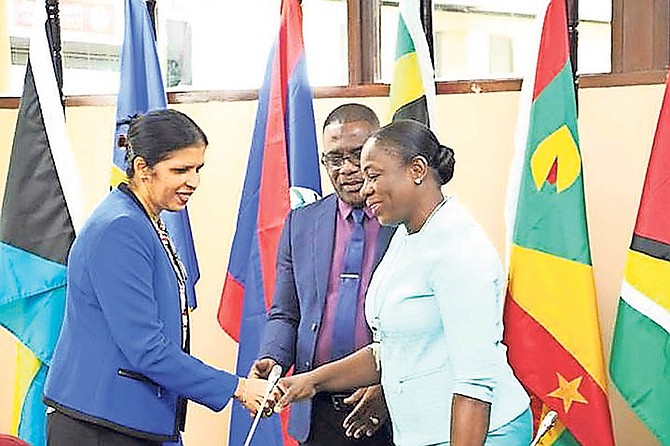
554, 49
290, 35
652, 217
230, 307
273, 198
537, 357
283, 417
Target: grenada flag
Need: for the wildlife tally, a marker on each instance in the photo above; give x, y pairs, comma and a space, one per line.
551, 315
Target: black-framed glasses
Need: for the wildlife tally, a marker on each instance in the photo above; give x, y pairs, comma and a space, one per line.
335, 160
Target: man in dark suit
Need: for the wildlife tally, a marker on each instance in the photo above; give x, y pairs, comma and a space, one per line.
327, 253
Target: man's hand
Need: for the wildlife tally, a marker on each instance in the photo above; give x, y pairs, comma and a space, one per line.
369, 414
261, 368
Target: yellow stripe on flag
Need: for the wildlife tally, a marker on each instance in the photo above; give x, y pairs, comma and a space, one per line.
554, 433
407, 85
118, 176
27, 366
559, 295
650, 276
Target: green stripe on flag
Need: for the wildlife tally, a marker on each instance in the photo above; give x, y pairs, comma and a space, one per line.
640, 369
549, 221
565, 439
405, 43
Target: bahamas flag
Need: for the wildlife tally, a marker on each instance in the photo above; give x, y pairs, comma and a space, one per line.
283, 154
412, 90
141, 90
41, 210
639, 365
551, 315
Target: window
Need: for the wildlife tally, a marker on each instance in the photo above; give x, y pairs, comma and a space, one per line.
326, 42
179, 71
91, 33
594, 50
224, 44
488, 39
216, 44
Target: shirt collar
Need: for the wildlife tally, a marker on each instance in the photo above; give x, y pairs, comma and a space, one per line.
345, 210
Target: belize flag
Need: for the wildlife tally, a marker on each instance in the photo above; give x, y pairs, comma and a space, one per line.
282, 171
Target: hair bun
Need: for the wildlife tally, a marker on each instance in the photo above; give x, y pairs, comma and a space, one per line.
122, 141
445, 163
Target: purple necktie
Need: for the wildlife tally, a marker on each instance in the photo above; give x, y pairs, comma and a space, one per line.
344, 327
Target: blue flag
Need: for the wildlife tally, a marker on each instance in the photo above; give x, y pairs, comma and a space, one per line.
140, 91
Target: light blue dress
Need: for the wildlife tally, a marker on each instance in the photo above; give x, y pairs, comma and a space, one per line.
435, 306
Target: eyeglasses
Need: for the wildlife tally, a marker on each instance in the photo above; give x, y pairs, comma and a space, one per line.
334, 160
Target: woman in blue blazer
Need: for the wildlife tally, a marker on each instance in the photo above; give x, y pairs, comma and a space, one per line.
121, 371
434, 305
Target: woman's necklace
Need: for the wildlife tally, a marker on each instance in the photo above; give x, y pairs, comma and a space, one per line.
432, 213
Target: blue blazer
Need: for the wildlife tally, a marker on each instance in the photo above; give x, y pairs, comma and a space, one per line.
118, 362
303, 267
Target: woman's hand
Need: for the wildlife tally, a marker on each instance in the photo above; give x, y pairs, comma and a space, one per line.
250, 392
294, 388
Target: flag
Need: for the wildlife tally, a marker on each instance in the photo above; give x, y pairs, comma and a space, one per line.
412, 92
141, 90
639, 361
283, 154
551, 315
41, 211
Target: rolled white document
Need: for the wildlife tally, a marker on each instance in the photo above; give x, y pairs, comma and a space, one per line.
547, 423
273, 377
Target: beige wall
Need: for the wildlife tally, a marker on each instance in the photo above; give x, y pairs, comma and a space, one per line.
616, 126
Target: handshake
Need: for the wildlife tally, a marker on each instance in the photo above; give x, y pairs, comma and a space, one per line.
263, 390
263, 393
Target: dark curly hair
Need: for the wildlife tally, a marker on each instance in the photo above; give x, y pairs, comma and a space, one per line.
156, 134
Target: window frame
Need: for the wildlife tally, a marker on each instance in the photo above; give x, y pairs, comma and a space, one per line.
635, 24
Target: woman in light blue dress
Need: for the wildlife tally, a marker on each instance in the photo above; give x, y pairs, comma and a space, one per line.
434, 306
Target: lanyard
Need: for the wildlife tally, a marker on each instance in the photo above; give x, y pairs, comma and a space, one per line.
177, 266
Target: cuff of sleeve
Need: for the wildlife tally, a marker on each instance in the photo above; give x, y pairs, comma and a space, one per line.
475, 390
376, 353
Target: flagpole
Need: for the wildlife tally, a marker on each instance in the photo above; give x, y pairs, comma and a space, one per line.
426, 12
572, 7
151, 6
53, 36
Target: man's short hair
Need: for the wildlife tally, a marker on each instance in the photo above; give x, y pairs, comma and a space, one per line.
352, 113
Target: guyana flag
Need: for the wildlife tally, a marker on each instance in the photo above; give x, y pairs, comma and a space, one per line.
40, 211
412, 91
551, 316
639, 365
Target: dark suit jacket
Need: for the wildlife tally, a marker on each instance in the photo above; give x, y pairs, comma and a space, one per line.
303, 267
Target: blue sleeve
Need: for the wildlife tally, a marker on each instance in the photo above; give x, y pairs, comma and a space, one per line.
121, 273
467, 283
279, 340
